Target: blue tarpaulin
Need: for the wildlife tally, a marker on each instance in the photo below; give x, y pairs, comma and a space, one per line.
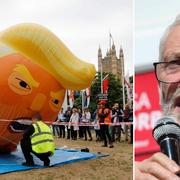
13, 162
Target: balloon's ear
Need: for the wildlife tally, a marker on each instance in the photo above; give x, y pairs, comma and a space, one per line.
44, 48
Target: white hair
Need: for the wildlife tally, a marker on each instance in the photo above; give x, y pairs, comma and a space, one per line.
161, 49
165, 35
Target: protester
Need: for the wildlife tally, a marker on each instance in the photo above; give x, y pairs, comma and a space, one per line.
74, 123
97, 130
116, 118
159, 166
61, 120
126, 119
81, 134
104, 120
55, 127
37, 139
86, 117
131, 126
97, 125
67, 116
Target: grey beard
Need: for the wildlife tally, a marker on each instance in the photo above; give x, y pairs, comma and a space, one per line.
168, 107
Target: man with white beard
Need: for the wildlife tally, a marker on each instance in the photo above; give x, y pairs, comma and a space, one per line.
159, 166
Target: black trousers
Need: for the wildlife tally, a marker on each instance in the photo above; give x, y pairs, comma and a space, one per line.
131, 131
98, 134
73, 133
81, 134
55, 129
68, 132
105, 133
116, 130
62, 131
85, 130
27, 150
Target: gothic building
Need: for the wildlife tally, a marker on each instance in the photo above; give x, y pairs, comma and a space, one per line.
111, 63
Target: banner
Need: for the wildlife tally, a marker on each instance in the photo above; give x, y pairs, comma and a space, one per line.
147, 112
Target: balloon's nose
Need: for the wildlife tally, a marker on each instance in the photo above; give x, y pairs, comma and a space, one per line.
38, 102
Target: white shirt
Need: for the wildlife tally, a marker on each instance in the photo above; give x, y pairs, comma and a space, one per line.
75, 120
86, 117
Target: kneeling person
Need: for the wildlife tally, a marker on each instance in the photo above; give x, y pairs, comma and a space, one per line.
37, 139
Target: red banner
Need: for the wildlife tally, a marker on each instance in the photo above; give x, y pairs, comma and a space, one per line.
147, 112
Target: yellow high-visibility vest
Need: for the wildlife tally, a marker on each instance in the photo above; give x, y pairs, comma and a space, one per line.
42, 140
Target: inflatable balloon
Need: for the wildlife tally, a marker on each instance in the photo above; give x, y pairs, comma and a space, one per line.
35, 69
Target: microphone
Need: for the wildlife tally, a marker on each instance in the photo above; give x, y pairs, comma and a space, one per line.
167, 135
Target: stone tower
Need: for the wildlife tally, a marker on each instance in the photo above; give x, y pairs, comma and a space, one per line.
111, 63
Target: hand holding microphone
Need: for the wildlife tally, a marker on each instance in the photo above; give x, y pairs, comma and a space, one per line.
167, 135
162, 165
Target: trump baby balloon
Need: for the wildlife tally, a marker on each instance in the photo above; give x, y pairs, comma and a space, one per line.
35, 70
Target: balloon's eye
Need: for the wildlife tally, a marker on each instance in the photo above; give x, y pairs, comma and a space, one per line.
23, 84
55, 101
19, 85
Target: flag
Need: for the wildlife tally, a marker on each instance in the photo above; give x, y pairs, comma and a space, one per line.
88, 93
110, 38
110, 35
128, 88
105, 84
65, 102
85, 97
70, 97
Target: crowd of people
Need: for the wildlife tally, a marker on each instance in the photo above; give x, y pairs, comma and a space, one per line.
106, 121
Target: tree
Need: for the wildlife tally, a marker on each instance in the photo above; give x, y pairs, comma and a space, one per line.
115, 94
114, 91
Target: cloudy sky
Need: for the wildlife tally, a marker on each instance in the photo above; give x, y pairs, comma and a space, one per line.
151, 19
81, 24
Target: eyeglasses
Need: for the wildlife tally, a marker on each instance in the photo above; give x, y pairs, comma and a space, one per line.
168, 72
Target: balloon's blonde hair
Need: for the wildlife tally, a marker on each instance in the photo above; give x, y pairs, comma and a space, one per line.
45, 49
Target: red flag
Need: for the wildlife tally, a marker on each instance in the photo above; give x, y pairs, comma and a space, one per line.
105, 84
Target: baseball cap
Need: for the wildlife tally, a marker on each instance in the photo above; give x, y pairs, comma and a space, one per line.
102, 102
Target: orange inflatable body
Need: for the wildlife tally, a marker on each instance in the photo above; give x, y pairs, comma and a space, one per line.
31, 84
20, 99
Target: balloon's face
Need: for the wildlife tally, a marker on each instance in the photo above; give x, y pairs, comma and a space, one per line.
25, 89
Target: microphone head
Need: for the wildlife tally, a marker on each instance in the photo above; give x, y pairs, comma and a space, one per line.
166, 126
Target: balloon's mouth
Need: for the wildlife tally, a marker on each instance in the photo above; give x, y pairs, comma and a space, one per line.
20, 125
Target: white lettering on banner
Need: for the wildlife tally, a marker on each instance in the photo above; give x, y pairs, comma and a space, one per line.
146, 121
142, 144
142, 102
143, 121
155, 116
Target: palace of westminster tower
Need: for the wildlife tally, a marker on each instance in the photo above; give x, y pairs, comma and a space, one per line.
111, 63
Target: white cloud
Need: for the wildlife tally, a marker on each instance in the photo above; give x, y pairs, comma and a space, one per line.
81, 24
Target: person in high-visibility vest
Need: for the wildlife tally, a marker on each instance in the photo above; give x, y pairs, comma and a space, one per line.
37, 139
104, 120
